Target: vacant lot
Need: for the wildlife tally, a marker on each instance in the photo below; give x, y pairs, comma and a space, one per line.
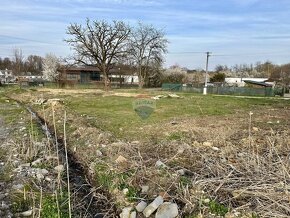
218, 155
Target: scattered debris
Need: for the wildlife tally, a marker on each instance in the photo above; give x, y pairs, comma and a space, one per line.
207, 144
255, 129
153, 206
141, 206
170, 95
144, 189
160, 164
167, 210
121, 159
59, 168
126, 212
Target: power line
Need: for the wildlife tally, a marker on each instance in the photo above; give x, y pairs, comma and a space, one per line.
234, 54
26, 39
187, 52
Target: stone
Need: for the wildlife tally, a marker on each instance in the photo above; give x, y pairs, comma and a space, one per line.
126, 212
48, 179
22, 129
180, 150
167, 210
38, 161
135, 142
99, 153
206, 200
153, 206
215, 148
171, 95
181, 172
4, 206
43, 172
121, 159
255, 129
125, 191
141, 206
207, 144
39, 176
160, 164
2, 196
24, 165
144, 189
18, 186
133, 214
157, 97
174, 122
27, 213
59, 168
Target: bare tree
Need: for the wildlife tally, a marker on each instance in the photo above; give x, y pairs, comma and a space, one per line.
146, 48
33, 64
18, 61
50, 66
99, 43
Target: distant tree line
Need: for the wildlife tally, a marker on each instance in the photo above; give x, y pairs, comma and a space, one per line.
108, 45
19, 64
275, 72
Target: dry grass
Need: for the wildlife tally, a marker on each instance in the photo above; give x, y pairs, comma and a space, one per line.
225, 161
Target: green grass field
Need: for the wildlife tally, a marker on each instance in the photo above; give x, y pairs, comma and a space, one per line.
116, 114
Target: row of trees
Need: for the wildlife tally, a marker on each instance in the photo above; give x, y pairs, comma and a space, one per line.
259, 69
105, 45
18, 63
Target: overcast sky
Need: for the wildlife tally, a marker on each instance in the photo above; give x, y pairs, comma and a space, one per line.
236, 31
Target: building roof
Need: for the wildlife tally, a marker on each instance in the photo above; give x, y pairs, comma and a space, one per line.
258, 83
123, 70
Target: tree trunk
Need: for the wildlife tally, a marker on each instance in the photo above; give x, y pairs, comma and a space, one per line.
141, 79
106, 80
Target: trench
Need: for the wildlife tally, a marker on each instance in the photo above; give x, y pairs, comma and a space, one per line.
88, 201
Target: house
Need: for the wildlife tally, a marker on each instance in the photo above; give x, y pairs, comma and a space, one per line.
85, 75
80, 74
6, 76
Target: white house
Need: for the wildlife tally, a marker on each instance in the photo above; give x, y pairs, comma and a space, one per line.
6, 76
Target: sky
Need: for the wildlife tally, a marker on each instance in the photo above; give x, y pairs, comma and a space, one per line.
235, 31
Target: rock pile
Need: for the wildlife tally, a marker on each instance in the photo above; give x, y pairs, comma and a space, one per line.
162, 209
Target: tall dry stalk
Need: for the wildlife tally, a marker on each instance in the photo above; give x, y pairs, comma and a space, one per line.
46, 131
67, 166
55, 133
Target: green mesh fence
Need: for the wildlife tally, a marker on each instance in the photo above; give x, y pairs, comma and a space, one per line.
243, 91
172, 86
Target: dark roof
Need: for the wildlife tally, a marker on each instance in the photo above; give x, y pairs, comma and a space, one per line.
258, 83
123, 70
78, 69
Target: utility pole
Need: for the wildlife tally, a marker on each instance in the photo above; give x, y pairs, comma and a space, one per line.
206, 73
